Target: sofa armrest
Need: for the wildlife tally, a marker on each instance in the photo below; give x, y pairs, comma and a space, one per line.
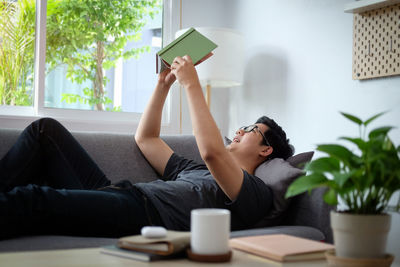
310, 210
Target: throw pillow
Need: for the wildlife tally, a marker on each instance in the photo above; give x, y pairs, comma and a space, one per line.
278, 174
300, 160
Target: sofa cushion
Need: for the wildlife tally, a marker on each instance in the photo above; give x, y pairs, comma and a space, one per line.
120, 158
50, 242
277, 174
300, 160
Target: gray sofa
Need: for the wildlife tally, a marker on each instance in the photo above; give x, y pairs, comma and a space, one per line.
119, 157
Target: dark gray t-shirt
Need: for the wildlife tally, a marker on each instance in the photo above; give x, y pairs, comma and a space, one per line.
188, 185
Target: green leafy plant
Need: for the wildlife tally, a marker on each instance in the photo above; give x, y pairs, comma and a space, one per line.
364, 179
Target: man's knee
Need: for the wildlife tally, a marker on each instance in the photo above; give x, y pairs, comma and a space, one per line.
44, 127
46, 124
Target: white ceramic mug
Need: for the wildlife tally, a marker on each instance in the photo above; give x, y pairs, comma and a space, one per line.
210, 229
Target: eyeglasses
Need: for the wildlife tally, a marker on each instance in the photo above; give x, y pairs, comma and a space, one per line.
252, 127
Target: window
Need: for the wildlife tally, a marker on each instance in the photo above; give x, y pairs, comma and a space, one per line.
94, 62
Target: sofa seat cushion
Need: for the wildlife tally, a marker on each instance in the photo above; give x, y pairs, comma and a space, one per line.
49, 242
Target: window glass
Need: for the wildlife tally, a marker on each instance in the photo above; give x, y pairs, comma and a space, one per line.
101, 54
17, 40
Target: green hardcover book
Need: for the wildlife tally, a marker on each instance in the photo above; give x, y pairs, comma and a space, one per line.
190, 43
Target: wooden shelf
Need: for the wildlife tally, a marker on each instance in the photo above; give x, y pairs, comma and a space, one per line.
367, 5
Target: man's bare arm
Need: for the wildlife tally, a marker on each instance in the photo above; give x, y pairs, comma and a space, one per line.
147, 136
226, 172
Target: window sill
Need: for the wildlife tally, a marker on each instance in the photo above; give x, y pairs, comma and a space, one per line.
76, 124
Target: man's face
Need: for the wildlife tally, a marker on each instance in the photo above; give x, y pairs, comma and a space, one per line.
249, 139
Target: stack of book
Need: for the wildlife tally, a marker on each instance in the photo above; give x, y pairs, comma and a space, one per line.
278, 247
138, 247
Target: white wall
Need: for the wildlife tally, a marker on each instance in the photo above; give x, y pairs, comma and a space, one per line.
298, 71
299, 61
209, 13
299, 56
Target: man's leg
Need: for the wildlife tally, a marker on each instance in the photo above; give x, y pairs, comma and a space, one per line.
36, 209
47, 154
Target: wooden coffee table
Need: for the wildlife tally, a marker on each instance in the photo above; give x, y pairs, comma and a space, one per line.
93, 257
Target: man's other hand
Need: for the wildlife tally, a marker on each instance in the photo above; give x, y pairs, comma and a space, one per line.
166, 79
185, 72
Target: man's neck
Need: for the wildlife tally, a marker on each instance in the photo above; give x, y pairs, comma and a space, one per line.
246, 163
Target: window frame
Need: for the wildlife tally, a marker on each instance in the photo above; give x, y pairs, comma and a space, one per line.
89, 120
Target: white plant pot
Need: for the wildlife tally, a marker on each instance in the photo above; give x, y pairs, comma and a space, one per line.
360, 236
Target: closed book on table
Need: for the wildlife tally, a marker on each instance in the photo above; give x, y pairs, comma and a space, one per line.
191, 43
130, 254
281, 247
174, 242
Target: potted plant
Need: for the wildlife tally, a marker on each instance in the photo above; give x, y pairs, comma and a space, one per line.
363, 180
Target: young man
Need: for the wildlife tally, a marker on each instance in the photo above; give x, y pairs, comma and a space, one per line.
50, 185
226, 181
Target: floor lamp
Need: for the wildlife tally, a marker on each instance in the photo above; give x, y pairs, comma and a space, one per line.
225, 68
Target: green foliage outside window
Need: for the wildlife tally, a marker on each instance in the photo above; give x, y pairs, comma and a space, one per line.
17, 38
87, 36
90, 36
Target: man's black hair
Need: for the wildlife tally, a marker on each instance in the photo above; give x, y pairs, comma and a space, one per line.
277, 139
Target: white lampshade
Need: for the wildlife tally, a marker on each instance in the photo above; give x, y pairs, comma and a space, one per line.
225, 67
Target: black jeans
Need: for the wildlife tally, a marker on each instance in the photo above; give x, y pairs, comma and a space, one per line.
50, 185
